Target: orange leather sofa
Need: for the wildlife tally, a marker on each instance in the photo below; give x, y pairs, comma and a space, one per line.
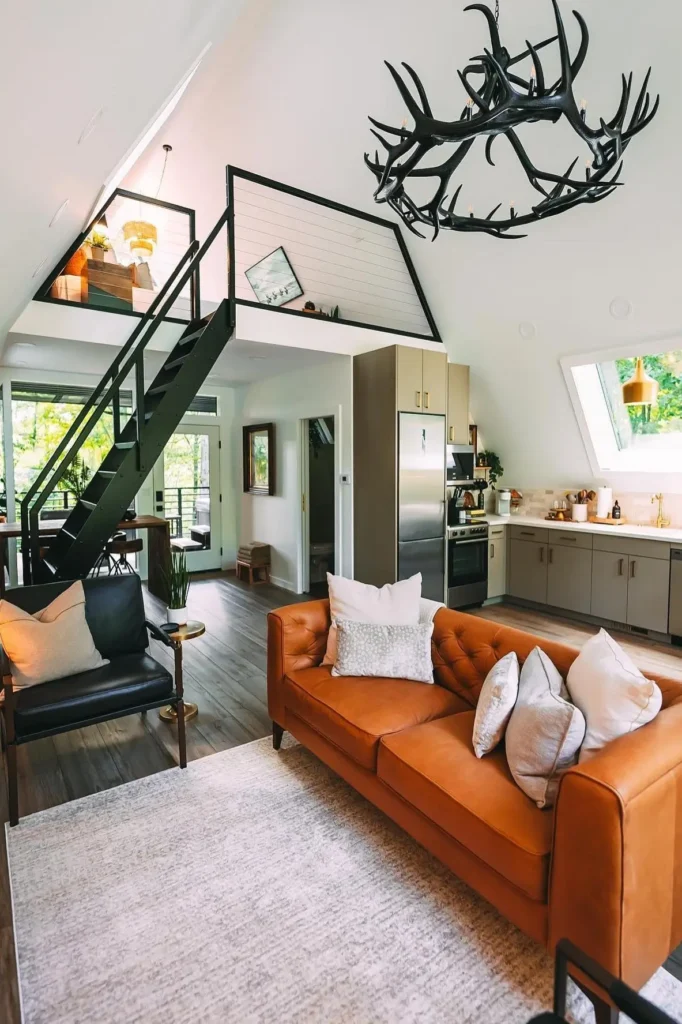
604, 869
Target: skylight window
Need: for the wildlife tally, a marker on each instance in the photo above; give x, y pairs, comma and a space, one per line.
620, 437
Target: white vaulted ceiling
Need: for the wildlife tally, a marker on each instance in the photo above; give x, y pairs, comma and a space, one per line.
288, 95
63, 68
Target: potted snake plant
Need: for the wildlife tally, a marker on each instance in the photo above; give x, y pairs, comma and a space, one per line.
177, 585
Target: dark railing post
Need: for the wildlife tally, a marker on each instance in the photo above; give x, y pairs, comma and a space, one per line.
116, 407
182, 528
139, 404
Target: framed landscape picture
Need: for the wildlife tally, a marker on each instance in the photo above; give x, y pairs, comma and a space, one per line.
259, 458
273, 279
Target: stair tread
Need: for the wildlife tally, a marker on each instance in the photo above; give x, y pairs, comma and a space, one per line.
68, 533
125, 445
185, 340
88, 504
175, 362
107, 472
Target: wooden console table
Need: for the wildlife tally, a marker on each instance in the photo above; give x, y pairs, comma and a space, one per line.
158, 546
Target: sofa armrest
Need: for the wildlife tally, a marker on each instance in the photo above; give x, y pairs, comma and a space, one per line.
297, 638
158, 634
616, 882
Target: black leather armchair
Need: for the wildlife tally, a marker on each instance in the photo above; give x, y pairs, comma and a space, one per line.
133, 682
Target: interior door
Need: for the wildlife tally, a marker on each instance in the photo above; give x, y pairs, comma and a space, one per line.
187, 493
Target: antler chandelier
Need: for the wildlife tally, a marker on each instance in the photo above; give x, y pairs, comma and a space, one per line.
500, 104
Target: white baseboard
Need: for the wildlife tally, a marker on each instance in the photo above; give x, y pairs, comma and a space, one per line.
284, 584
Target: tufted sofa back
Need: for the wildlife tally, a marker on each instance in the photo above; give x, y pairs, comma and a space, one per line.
465, 648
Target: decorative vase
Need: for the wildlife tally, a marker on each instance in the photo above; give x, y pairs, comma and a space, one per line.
178, 615
579, 513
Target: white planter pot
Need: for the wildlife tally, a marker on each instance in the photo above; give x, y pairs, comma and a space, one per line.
579, 513
178, 615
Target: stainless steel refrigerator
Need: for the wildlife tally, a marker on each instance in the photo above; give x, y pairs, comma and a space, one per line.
421, 501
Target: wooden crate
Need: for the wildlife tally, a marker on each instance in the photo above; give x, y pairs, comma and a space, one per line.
107, 284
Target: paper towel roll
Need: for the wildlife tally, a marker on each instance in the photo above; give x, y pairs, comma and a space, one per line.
604, 502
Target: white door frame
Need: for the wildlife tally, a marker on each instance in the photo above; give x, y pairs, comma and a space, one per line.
303, 567
200, 561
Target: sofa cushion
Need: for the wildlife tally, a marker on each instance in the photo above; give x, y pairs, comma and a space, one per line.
126, 682
354, 713
434, 768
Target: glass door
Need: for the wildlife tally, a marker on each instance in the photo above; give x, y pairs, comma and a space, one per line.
187, 493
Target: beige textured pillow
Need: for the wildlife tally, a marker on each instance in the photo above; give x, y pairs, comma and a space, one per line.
495, 704
615, 697
51, 644
395, 604
544, 732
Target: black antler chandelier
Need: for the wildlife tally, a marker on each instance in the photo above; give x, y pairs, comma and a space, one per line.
500, 104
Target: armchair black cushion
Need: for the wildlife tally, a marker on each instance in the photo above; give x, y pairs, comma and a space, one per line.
127, 682
132, 682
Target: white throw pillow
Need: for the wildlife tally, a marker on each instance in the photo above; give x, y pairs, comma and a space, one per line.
615, 697
495, 704
544, 732
392, 652
395, 604
53, 643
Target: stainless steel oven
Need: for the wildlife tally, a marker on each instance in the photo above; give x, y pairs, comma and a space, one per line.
467, 564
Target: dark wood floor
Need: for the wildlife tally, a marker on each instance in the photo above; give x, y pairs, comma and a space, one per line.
225, 675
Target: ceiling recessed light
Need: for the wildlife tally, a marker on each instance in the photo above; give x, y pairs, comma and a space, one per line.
59, 212
24, 344
39, 267
527, 331
90, 126
620, 308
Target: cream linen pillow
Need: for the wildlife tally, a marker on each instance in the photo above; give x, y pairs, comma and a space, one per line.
390, 652
495, 704
544, 732
395, 604
53, 643
611, 692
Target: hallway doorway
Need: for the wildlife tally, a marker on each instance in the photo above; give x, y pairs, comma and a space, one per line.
319, 503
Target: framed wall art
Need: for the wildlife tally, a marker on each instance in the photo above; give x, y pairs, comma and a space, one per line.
258, 448
273, 280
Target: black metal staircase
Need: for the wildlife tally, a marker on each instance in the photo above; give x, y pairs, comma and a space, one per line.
137, 445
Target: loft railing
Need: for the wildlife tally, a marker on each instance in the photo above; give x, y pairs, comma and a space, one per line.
125, 257
107, 394
180, 508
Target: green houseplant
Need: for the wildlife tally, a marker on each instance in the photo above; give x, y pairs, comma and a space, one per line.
177, 585
491, 462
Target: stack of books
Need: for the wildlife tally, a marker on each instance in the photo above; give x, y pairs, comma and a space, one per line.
254, 554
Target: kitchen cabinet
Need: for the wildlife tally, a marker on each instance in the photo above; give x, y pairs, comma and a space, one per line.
497, 562
569, 577
458, 404
528, 570
421, 380
648, 593
610, 585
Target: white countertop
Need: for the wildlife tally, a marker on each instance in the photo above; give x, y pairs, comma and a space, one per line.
671, 536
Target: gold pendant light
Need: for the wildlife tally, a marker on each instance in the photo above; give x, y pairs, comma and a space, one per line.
641, 389
141, 237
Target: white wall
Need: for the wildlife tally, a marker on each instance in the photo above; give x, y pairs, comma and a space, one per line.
288, 97
285, 400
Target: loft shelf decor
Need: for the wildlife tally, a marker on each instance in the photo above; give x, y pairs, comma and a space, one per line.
503, 102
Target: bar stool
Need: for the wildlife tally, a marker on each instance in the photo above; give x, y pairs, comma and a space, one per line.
122, 548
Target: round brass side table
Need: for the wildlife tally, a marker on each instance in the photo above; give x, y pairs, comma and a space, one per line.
189, 631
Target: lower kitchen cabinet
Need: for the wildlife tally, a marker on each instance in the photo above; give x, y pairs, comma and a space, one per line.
610, 585
528, 570
497, 562
569, 578
648, 593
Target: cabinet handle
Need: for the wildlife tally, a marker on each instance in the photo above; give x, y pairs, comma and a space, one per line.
427, 400
633, 568
551, 556
572, 540
492, 550
452, 435
419, 399
621, 566
542, 555
527, 533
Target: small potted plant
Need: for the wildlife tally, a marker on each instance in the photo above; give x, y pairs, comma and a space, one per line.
99, 244
177, 585
491, 462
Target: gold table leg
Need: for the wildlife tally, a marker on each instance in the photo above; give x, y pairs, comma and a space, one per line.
169, 714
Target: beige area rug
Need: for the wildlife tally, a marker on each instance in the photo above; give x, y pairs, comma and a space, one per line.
258, 887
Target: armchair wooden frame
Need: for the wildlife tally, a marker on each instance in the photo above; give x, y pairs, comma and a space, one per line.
10, 739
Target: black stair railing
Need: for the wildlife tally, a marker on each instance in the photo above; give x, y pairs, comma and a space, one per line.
107, 392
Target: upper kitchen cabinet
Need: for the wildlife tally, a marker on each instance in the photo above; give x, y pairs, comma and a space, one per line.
421, 380
458, 404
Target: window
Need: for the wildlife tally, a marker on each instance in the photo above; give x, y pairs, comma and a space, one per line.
629, 438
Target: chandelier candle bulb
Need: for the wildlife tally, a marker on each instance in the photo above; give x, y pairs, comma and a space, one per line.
583, 109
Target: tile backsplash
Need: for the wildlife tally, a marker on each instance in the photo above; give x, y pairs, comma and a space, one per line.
635, 505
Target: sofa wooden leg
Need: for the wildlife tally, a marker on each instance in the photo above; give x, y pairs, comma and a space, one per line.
277, 734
